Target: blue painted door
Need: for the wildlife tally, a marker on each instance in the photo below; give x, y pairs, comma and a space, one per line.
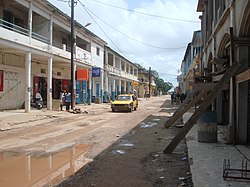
97, 90
84, 91
78, 92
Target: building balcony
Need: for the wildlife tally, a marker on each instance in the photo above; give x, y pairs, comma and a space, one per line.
120, 73
17, 36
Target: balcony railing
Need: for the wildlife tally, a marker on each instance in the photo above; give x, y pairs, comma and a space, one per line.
23, 31
116, 71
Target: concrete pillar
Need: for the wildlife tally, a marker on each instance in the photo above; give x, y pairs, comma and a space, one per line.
49, 85
106, 78
113, 61
232, 21
102, 85
27, 81
120, 87
231, 126
125, 86
120, 67
51, 32
129, 87
90, 88
30, 20
113, 90
106, 85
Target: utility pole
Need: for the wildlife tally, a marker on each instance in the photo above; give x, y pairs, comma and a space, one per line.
72, 55
149, 79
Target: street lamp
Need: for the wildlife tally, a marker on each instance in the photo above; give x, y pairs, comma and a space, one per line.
88, 24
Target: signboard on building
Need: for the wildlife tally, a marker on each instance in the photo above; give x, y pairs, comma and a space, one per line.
83, 55
96, 72
134, 83
179, 79
82, 74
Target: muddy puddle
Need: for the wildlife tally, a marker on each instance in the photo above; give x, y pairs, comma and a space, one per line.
24, 170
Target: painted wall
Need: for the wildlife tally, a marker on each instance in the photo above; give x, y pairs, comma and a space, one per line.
97, 60
12, 96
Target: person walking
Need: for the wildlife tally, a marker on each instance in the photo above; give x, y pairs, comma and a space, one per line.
67, 100
182, 97
173, 98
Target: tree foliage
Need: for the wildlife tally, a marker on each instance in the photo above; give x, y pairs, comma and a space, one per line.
164, 87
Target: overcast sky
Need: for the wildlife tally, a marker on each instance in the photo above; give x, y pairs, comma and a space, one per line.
153, 33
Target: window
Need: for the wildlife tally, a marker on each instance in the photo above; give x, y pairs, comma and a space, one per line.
97, 51
8, 18
64, 41
19, 22
43, 71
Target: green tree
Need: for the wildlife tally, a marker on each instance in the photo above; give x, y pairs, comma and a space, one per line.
164, 87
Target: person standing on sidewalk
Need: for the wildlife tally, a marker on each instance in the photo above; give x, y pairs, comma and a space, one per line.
62, 99
67, 100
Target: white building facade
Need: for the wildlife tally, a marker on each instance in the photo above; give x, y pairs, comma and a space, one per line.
121, 75
35, 55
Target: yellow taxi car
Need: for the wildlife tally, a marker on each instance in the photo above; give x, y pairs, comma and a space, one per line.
125, 102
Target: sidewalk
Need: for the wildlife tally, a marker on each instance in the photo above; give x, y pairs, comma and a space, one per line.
10, 119
206, 159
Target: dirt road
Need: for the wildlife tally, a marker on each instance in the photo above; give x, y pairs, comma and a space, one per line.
126, 148
133, 154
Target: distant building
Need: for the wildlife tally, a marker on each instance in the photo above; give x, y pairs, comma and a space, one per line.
191, 64
121, 74
143, 77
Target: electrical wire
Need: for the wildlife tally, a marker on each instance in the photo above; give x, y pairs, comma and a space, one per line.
149, 45
147, 14
167, 74
146, 44
65, 1
100, 26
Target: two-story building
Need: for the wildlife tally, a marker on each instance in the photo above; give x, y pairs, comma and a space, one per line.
191, 65
35, 54
226, 40
146, 83
121, 75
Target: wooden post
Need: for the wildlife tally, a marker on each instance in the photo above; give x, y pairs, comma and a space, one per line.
204, 105
189, 102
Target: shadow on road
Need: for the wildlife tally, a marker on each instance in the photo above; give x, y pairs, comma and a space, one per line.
136, 159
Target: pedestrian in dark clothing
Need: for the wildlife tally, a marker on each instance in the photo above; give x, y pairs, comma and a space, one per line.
173, 98
182, 97
67, 100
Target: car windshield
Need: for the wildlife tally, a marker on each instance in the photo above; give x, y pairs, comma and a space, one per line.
123, 98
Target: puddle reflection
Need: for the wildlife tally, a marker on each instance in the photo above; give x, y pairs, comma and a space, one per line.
39, 170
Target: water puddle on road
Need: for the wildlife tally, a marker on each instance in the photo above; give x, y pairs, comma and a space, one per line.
147, 124
39, 170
